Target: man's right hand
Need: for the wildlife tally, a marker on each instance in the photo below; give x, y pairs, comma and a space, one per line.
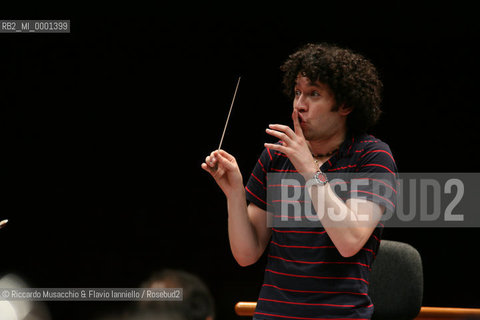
224, 169
247, 226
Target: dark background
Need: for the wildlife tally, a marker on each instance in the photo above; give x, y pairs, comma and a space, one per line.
103, 131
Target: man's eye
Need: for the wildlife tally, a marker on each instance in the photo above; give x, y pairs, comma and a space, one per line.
297, 93
315, 94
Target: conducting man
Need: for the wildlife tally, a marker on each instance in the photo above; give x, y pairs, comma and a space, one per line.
321, 271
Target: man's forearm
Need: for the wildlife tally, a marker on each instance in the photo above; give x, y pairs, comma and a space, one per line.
347, 228
242, 235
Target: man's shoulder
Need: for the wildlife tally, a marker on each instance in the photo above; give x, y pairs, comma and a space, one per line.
369, 150
367, 142
269, 158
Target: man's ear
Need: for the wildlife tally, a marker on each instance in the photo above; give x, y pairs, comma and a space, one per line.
344, 110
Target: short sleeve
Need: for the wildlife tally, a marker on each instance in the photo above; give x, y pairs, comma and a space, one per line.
256, 188
376, 176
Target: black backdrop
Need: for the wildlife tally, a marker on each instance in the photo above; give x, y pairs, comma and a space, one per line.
103, 131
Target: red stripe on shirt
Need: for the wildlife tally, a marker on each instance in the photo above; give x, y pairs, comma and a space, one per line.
261, 164
351, 145
341, 168
320, 262
257, 178
302, 247
311, 291
313, 247
286, 185
369, 250
303, 318
315, 277
385, 183
388, 153
295, 231
334, 183
283, 170
268, 150
311, 304
297, 218
253, 194
280, 154
378, 165
375, 195
292, 201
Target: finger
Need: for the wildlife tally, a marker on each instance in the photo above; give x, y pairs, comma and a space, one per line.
212, 156
296, 123
225, 160
277, 147
226, 155
278, 134
207, 168
211, 161
285, 129
215, 172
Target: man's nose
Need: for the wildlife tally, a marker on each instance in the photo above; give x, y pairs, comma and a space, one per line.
301, 104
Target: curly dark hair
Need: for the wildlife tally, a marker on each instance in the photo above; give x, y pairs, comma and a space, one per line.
353, 80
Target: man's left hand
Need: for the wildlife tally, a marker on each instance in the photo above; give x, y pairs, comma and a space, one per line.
293, 145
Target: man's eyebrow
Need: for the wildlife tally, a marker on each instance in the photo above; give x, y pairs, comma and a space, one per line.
312, 84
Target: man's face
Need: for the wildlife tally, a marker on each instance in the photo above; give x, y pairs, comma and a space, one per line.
316, 106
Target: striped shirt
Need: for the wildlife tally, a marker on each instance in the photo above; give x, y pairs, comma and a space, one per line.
305, 276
